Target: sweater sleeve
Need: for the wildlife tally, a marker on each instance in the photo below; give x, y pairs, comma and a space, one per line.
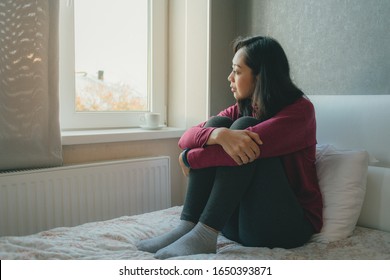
292, 129
197, 136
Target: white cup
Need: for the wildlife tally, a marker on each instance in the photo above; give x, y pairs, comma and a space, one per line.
152, 120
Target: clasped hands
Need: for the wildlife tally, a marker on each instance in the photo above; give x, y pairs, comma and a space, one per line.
243, 146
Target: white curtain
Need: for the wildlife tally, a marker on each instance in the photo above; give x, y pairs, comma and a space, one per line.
29, 103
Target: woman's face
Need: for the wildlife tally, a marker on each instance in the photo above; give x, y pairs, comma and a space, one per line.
242, 81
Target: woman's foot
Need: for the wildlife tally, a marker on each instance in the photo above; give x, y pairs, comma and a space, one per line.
154, 244
200, 240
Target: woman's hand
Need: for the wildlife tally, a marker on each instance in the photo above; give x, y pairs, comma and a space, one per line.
184, 168
241, 145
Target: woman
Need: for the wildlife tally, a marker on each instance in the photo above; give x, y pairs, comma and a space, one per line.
251, 169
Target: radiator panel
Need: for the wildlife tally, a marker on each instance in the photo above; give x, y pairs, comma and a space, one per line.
36, 200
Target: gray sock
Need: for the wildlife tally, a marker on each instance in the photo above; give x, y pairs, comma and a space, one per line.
152, 245
200, 240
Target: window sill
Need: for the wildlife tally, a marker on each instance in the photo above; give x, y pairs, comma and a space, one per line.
77, 137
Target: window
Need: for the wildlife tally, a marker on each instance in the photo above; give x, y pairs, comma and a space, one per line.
111, 55
112, 62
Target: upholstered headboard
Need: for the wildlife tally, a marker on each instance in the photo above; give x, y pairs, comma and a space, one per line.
361, 122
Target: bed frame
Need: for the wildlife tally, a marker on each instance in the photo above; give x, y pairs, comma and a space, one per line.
361, 122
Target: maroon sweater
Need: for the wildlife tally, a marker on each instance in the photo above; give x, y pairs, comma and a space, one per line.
290, 135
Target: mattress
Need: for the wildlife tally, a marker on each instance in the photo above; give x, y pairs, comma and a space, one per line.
115, 240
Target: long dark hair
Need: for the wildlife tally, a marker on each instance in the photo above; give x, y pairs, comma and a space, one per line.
274, 88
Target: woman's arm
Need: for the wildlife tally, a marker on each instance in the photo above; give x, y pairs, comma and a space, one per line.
292, 129
197, 136
241, 145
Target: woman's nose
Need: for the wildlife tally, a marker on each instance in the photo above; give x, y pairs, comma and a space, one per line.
230, 77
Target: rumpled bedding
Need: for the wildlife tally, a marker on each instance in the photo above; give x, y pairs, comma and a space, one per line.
115, 240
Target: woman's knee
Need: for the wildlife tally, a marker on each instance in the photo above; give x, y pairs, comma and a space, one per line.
244, 122
219, 121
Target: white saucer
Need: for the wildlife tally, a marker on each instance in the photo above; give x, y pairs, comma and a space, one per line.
151, 127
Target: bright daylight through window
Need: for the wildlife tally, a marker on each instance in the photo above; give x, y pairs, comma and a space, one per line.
111, 55
112, 62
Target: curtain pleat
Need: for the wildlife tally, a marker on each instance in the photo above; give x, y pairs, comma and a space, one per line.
30, 134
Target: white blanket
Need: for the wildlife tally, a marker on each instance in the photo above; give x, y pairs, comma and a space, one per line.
115, 239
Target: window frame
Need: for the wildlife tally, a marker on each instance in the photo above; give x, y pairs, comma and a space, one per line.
157, 73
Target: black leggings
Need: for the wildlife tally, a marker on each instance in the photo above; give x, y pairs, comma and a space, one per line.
252, 204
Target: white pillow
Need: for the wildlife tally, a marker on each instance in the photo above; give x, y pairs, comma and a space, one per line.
342, 176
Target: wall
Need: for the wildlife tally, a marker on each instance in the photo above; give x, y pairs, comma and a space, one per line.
200, 54
188, 62
223, 30
334, 46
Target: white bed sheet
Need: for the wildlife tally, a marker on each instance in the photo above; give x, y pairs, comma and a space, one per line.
115, 239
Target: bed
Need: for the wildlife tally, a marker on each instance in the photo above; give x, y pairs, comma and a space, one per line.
354, 172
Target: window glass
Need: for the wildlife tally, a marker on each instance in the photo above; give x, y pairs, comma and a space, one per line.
111, 55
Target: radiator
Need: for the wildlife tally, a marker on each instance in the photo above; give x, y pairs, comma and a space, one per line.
36, 200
